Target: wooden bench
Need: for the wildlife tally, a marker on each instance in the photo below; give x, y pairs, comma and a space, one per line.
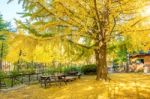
45, 80
75, 74
69, 78
52, 79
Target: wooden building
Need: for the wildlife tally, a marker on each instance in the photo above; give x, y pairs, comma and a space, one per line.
140, 62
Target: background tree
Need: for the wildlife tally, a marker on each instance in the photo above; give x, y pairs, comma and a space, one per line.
4, 28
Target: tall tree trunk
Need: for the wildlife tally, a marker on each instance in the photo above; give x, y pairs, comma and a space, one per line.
101, 62
1, 56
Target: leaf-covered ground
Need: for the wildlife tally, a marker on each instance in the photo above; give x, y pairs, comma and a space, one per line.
122, 86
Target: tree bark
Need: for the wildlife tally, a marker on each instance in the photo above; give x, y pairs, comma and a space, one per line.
1, 65
127, 63
101, 62
1, 56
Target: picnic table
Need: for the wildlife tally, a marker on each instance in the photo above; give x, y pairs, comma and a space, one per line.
47, 79
75, 73
69, 78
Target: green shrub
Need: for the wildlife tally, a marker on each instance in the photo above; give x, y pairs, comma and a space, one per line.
2, 74
58, 69
14, 73
89, 69
71, 68
31, 69
61, 69
50, 70
53, 70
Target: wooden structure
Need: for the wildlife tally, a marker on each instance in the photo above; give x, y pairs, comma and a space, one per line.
140, 62
47, 80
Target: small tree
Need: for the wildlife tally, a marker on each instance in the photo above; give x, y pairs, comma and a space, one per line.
3, 45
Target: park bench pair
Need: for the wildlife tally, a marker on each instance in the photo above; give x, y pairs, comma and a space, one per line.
49, 79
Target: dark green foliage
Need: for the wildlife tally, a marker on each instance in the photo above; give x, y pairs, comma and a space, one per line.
2, 74
14, 73
4, 26
62, 69
30, 70
3, 49
89, 69
50, 70
122, 55
71, 68
53, 70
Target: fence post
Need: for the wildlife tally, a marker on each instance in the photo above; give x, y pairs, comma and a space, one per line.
0, 83
22, 78
12, 81
29, 78
37, 77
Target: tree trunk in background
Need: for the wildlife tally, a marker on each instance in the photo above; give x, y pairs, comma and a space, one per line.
101, 63
1, 57
127, 67
127, 63
1, 64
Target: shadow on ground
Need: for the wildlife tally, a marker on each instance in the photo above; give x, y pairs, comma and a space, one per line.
122, 86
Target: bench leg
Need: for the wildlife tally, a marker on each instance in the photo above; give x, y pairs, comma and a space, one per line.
45, 84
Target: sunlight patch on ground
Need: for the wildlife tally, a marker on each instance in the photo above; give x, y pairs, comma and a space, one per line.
88, 88
122, 86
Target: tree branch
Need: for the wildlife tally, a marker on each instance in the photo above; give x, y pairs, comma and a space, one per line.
97, 15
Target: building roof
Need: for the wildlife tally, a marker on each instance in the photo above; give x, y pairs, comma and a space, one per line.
139, 55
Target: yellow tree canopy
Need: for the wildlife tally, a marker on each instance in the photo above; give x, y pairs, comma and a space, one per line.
42, 50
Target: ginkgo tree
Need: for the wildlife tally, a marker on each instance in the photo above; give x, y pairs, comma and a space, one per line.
29, 48
90, 24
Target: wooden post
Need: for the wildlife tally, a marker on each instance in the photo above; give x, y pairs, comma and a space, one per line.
37, 77
29, 79
12, 81
22, 78
0, 83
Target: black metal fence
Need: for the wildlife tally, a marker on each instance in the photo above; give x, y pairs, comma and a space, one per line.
11, 81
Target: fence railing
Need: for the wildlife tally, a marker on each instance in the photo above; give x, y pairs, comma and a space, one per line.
11, 80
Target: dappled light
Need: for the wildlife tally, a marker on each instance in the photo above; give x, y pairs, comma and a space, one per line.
122, 86
75, 49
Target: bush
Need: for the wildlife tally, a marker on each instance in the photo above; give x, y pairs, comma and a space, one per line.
71, 68
14, 73
50, 70
58, 69
61, 69
89, 69
53, 70
2, 74
31, 69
